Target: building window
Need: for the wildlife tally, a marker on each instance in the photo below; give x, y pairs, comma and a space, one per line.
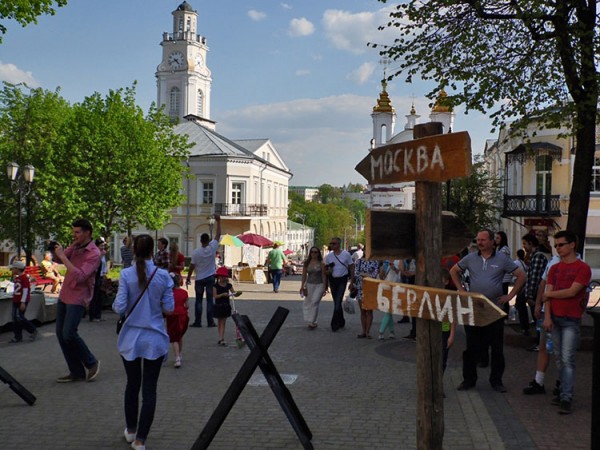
200, 101
592, 251
207, 193
189, 24
236, 193
596, 176
175, 99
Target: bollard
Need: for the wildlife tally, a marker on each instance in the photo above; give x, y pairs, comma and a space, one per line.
595, 313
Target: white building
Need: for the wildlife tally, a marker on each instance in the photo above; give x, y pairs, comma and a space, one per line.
309, 194
300, 238
244, 181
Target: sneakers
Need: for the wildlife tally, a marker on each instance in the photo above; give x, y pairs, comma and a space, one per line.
555, 401
381, 337
129, 437
93, 372
15, 341
534, 388
177, 364
68, 378
135, 446
464, 386
392, 336
565, 408
33, 336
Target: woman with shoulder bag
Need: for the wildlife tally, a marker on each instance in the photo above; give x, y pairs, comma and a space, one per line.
313, 286
145, 293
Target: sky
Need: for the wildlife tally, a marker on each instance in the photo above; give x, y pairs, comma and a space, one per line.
297, 72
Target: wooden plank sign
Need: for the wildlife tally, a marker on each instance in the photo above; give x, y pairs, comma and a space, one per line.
391, 234
434, 158
462, 308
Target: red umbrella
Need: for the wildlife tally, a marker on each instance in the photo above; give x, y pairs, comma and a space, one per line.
255, 239
288, 252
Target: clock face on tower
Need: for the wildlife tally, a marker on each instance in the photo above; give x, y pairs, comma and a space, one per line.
176, 60
199, 61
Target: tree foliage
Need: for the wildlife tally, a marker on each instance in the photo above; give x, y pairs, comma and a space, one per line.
26, 12
101, 159
518, 59
475, 199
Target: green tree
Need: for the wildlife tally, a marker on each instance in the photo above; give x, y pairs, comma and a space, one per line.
521, 59
33, 126
329, 193
26, 12
127, 168
474, 198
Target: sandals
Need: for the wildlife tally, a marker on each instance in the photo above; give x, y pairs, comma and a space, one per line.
363, 336
222, 343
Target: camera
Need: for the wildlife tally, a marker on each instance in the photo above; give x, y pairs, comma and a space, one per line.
52, 246
331, 265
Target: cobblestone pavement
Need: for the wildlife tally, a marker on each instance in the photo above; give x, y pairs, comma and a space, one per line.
353, 393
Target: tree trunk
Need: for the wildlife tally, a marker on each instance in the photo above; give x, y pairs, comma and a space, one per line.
585, 148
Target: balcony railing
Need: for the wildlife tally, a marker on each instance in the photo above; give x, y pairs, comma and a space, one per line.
244, 209
531, 205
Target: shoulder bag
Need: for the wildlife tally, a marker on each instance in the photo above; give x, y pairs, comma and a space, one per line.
122, 319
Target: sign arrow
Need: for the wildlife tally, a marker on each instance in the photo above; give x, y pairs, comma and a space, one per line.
440, 305
434, 158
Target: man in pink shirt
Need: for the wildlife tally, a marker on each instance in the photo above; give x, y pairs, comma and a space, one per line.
81, 259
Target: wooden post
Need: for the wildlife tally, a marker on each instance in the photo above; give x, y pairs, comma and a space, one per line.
428, 220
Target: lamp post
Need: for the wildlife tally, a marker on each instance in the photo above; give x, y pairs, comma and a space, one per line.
211, 224
303, 218
20, 183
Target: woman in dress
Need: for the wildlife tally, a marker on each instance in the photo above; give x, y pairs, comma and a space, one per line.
143, 341
364, 268
313, 286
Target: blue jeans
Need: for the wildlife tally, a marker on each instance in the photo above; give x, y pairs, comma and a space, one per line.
566, 332
20, 322
276, 277
205, 283
146, 378
76, 353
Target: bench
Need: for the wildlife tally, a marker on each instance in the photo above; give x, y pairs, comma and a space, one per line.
35, 275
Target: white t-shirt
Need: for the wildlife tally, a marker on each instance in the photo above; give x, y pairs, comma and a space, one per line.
342, 263
203, 258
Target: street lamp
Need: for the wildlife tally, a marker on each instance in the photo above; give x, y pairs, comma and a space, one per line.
303, 218
20, 183
211, 224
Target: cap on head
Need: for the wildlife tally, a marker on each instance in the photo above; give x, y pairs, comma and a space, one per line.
222, 272
18, 265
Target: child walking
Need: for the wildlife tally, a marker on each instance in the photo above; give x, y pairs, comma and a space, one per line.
177, 323
222, 309
21, 296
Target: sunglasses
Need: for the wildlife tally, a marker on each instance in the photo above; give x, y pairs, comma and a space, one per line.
314, 251
560, 244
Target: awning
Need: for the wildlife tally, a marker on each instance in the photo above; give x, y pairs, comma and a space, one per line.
531, 150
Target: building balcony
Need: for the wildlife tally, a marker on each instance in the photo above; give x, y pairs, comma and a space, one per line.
531, 206
241, 210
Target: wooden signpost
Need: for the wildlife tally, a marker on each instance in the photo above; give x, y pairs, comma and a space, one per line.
429, 159
440, 305
391, 234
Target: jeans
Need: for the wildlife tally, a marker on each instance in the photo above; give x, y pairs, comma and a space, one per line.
276, 277
146, 378
478, 340
19, 322
205, 283
566, 332
76, 353
338, 287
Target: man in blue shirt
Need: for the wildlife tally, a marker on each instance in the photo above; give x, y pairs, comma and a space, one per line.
486, 271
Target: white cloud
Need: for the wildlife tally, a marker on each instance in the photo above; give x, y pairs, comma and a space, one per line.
301, 27
313, 136
286, 6
257, 16
302, 72
352, 31
362, 74
12, 74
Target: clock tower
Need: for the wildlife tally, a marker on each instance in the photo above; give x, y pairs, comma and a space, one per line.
183, 80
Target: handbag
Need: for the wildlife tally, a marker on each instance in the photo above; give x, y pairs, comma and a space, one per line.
122, 319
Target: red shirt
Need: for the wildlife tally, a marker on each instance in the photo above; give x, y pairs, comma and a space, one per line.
78, 286
562, 276
180, 296
21, 285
